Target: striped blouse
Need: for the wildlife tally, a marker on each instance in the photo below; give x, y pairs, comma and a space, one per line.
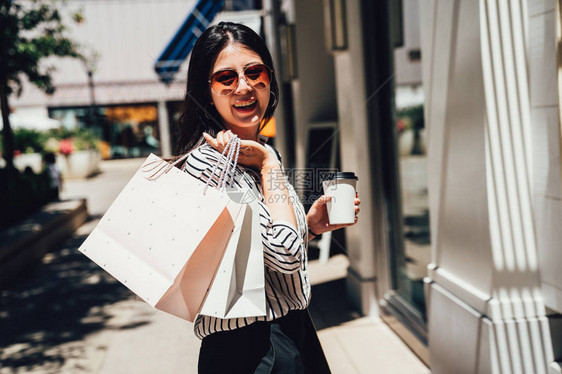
287, 286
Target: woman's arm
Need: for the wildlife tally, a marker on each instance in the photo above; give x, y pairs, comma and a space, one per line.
317, 217
276, 192
284, 245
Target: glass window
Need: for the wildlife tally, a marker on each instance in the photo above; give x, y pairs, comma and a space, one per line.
413, 256
128, 130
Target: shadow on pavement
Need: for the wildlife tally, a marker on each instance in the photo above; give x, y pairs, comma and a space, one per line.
329, 305
61, 301
46, 317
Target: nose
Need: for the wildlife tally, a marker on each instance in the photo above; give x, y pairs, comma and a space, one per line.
243, 84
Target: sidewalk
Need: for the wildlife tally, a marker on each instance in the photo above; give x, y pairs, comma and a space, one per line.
354, 344
71, 317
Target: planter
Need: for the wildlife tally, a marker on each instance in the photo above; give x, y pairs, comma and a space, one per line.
79, 164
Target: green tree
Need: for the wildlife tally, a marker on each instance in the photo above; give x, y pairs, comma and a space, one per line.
30, 31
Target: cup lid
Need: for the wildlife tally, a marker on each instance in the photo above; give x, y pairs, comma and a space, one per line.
342, 175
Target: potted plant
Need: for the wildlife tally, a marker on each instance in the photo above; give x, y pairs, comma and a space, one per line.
77, 150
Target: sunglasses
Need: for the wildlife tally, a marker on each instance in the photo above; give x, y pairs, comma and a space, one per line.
225, 82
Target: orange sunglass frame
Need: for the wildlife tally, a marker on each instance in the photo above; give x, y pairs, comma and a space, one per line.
235, 84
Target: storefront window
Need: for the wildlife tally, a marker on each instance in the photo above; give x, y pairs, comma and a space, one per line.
414, 253
128, 130
134, 130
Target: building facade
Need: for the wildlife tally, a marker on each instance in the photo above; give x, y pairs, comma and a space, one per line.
116, 91
457, 246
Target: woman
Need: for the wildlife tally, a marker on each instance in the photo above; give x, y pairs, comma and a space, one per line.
232, 90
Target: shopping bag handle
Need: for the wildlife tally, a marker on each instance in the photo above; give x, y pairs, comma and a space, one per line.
228, 160
226, 175
160, 167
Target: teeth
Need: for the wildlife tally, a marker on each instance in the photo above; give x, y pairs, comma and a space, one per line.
245, 104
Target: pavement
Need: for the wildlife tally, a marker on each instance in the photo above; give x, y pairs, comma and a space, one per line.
69, 316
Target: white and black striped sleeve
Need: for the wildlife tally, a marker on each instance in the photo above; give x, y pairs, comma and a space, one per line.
283, 246
201, 163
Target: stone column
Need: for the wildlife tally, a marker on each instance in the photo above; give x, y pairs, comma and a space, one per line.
486, 313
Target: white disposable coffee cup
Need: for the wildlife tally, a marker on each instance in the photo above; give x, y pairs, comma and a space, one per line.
341, 187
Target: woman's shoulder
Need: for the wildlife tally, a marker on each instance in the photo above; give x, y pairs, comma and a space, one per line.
202, 158
206, 158
205, 150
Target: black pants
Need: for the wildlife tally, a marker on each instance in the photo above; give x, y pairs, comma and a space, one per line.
286, 345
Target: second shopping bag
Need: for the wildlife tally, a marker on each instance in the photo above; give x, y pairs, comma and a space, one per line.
238, 289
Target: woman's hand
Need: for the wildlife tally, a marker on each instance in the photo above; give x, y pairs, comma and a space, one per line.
317, 216
252, 154
256, 156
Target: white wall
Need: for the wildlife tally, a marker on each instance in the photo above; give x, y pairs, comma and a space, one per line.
129, 36
547, 191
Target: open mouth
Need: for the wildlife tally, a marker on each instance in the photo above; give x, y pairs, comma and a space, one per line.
245, 106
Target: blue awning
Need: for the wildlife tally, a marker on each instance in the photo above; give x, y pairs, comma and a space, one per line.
183, 41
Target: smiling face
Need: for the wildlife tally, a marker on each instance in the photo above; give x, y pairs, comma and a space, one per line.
243, 109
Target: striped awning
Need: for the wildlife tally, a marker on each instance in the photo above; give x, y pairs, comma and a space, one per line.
183, 41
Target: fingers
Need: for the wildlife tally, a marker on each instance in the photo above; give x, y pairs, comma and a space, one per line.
212, 141
323, 200
226, 135
220, 142
222, 139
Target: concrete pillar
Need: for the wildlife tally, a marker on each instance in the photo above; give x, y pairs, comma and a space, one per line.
164, 129
485, 308
366, 239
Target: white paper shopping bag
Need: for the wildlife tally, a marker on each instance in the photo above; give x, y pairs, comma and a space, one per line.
164, 238
238, 289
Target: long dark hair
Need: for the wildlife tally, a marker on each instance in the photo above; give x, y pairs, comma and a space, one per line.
198, 115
